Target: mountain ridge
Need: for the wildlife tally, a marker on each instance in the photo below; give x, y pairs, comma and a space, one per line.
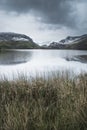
8, 36
11, 40
71, 42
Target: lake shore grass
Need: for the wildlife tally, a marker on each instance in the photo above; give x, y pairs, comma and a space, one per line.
56, 103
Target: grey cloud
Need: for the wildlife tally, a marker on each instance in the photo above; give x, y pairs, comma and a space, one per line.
50, 11
55, 12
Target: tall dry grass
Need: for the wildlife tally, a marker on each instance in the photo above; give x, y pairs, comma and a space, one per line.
58, 103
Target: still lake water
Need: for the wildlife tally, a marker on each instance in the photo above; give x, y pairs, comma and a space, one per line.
37, 62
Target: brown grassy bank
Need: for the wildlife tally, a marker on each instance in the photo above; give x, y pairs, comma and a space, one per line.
58, 103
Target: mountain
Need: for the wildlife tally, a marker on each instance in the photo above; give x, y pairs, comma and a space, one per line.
21, 41
56, 45
16, 41
77, 42
80, 44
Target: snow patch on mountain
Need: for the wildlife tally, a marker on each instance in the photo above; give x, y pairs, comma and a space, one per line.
6, 36
19, 39
69, 40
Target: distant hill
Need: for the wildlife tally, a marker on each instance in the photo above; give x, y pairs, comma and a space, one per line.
80, 44
16, 41
21, 41
77, 42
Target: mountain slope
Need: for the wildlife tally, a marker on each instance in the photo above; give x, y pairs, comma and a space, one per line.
16, 41
81, 44
77, 42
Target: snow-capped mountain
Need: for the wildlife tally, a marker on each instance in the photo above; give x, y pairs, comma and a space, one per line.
13, 37
21, 41
16, 41
56, 45
70, 40
77, 42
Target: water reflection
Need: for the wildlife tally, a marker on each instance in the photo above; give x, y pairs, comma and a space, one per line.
80, 58
13, 57
37, 62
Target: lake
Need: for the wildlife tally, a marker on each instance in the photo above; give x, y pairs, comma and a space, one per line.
37, 62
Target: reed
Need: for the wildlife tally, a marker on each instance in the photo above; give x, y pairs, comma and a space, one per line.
55, 103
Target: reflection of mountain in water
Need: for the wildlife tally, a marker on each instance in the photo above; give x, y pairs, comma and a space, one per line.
14, 57
80, 58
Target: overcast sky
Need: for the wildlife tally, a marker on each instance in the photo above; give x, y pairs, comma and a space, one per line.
44, 20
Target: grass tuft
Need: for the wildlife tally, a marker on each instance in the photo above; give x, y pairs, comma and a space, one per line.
58, 103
